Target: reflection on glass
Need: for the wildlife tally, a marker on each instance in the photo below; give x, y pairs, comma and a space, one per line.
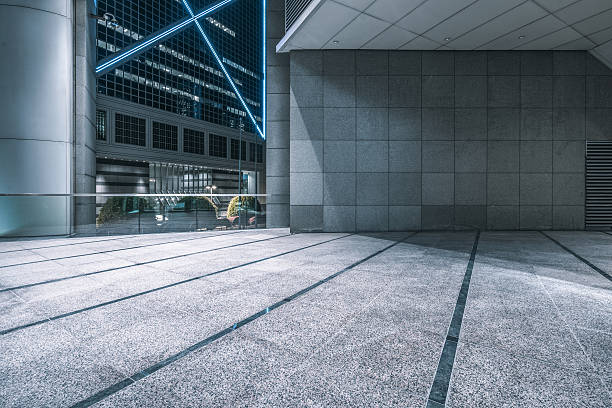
165, 213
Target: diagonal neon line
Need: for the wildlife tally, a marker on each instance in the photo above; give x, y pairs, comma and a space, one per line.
140, 47
227, 75
263, 70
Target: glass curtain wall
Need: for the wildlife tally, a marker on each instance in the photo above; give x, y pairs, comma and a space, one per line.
181, 75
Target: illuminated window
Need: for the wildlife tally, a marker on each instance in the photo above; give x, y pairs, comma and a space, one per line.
100, 125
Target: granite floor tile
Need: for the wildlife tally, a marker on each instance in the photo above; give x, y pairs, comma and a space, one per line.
535, 331
598, 348
582, 306
485, 377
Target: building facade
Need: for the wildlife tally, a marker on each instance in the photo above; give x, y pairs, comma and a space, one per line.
183, 115
168, 120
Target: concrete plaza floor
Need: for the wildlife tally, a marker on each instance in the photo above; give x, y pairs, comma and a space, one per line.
264, 318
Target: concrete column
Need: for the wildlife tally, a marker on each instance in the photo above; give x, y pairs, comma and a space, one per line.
85, 116
36, 100
277, 126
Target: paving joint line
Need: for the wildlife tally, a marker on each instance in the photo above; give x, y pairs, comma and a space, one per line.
439, 387
72, 243
584, 260
110, 250
159, 288
81, 275
347, 320
93, 399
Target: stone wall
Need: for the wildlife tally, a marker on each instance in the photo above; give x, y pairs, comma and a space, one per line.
409, 140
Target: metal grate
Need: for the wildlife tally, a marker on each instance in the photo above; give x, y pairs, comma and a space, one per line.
293, 9
599, 185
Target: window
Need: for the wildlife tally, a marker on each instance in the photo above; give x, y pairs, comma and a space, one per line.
259, 153
130, 130
100, 125
217, 145
180, 75
165, 136
252, 152
193, 141
235, 150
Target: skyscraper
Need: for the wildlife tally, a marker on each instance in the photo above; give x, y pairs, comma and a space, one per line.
168, 119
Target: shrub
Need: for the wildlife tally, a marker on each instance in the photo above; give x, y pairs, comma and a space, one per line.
111, 210
247, 203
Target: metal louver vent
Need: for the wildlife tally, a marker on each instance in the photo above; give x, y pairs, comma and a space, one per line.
293, 9
599, 185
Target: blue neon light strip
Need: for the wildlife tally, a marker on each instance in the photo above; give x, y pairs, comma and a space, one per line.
158, 37
263, 96
227, 75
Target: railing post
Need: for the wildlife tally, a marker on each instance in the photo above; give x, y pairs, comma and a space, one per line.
196, 210
139, 209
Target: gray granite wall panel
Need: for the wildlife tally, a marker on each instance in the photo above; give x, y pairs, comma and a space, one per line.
410, 140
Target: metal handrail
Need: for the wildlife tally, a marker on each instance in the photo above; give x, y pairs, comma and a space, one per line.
127, 195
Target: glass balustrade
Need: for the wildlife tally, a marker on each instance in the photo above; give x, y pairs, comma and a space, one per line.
108, 214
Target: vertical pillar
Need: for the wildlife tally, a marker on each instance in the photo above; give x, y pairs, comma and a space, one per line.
36, 100
85, 116
277, 124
